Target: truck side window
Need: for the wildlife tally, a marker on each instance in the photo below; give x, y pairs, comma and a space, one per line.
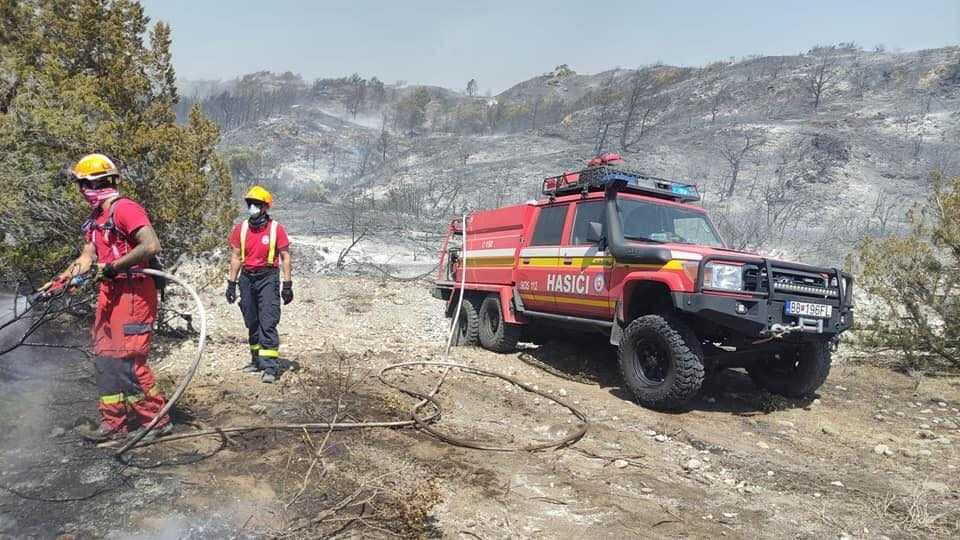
586, 212
549, 226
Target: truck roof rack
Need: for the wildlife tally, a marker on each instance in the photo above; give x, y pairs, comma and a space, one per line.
598, 178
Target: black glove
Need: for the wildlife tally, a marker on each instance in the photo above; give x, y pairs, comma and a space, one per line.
231, 291
287, 292
109, 271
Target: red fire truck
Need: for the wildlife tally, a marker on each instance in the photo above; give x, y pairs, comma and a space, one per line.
630, 255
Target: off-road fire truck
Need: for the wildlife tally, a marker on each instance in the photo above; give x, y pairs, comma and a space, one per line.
630, 255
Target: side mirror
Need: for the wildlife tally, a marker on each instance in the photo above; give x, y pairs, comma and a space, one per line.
595, 233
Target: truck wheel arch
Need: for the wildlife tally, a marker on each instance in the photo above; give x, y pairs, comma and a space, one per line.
645, 297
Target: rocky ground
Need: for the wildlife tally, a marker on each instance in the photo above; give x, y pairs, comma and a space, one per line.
874, 455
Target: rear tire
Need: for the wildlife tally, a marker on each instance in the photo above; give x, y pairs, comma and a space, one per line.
796, 372
496, 334
661, 362
468, 325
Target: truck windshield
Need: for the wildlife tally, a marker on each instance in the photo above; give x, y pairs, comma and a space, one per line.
643, 220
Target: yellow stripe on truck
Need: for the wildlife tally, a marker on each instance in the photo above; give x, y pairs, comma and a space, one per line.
492, 262
566, 300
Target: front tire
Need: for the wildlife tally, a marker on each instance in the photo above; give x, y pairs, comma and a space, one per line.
496, 334
661, 362
796, 371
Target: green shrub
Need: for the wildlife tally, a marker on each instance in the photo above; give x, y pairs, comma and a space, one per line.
87, 76
914, 280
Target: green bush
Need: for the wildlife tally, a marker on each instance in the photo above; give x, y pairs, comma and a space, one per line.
915, 282
87, 76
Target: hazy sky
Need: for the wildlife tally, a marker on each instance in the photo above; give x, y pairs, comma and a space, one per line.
504, 42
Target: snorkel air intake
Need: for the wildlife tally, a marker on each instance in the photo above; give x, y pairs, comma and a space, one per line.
622, 251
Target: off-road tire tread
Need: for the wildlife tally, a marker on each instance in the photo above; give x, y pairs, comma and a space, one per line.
689, 371
470, 311
507, 335
813, 374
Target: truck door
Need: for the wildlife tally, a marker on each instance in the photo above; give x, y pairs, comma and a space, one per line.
539, 258
582, 286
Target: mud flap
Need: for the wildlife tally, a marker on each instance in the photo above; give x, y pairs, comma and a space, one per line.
616, 329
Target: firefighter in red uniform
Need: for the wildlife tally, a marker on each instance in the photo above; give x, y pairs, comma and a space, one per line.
118, 238
260, 251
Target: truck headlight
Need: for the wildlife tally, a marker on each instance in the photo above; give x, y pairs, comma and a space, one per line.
728, 277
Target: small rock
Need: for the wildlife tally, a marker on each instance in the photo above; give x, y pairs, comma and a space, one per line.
940, 404
784, 423
926, 434
257, 408
751, 489
469, 523
728, 515
829, 430
926, 411
56, 432
923, 452
693, 465
769, 473
924, 426
816, 401
763, 445
882, 450
838, 387
817, 495
879, 418
620, 463
944, 440
909, 452
900, 414
948, 424
649, 432
660, 438
836, 483
563, 391
646, 490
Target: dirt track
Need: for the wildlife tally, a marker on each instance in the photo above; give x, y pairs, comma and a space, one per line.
742, 463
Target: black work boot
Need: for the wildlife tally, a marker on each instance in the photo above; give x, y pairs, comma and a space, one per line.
103, 433
254, 365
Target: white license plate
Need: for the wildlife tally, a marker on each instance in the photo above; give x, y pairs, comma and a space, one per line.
806, 309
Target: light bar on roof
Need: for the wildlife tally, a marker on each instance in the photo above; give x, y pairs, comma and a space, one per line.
598, 178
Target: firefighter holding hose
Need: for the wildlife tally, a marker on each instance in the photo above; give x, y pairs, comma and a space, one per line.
260, 252
119, 239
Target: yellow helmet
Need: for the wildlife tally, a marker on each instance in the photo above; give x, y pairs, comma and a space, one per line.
257, 193
93, 167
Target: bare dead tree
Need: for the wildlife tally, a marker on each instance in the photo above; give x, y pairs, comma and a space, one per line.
640, 114
735, 147
607, 116
821, 78
719, 97
357, 214
859, 77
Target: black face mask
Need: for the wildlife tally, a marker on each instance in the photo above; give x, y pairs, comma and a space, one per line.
258, 220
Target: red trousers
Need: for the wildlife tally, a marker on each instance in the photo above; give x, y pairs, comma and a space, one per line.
122, 330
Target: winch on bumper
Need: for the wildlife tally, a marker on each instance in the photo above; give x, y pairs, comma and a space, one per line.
760, 310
